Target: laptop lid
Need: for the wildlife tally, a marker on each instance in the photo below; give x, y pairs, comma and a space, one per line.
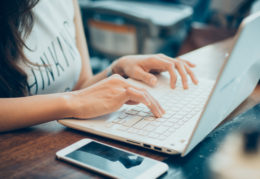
236, 81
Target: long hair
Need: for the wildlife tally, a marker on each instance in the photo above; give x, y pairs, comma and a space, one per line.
16, 22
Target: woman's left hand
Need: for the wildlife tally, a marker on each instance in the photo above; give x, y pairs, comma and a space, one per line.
142, 67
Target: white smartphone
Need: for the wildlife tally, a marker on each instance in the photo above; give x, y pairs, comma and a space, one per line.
111, 161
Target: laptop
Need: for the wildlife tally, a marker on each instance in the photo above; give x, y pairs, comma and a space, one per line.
190, 114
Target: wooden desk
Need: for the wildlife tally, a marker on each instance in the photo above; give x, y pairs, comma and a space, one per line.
30, 153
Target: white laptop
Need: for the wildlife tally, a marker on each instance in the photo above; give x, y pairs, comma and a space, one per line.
190, 114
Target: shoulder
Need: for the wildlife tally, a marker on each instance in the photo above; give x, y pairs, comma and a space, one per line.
53, 7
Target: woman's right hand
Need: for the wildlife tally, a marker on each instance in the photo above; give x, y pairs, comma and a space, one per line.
108, 96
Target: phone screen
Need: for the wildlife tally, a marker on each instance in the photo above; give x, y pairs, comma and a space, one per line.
116, 162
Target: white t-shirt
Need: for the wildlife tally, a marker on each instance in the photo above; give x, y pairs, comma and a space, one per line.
53, 47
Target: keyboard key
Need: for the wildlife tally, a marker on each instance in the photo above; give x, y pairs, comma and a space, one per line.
149, 127
161, 129
155, 123
143, 114
176, 126
193, 113
173, 111
141, 124
197, 109
144, 133
138, 108
146, 110
139, 132
185, 119
131, 112
172, 129
115, 126
149, 118
118, 120
189, 115
123, 128
180, 122
161, 119
168, 124
178, 116
167, 115
168, 133
109, 125
185, 110
131, 120
122, 115
173, 120
132, 130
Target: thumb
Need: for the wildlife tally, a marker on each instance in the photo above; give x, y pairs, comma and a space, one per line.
145, 77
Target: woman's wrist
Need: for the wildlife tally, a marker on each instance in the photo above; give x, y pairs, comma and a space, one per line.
69, 104
109, 71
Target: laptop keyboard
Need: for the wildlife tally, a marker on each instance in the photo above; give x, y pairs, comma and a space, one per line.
180, 106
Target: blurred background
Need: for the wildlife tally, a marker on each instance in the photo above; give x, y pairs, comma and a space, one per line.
174, 27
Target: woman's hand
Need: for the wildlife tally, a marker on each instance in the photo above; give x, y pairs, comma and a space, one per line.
141, 67
108, 96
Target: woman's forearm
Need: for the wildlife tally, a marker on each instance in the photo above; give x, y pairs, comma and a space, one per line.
27, 111
96, 78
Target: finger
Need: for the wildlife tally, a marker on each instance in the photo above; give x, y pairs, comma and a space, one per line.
118, 79
162, 111
140, 96
145, 77
156, 62
116, 76
192, 75
183, 75
187, 62
180, 69
173, 75
148, 95
178, 58
170, 67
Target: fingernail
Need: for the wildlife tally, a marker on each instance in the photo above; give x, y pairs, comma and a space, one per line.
153, 81
185, 85
163, 111
160, 113
157, 113
148, 102
196, 81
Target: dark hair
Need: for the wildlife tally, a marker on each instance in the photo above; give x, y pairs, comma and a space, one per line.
16, 22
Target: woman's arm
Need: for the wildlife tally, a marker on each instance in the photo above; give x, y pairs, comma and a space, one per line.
102, 98
86, 76
27, 111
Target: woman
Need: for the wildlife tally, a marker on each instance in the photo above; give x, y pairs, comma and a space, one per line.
45, 71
